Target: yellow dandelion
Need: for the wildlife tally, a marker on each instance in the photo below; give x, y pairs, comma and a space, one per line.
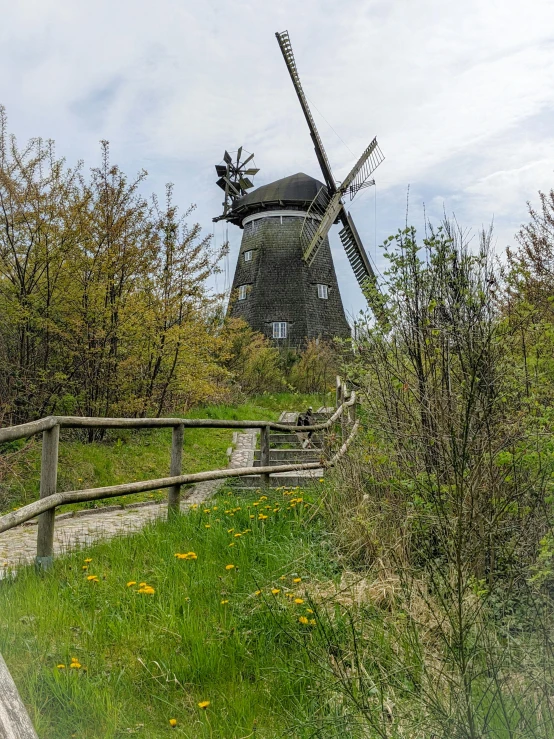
229, 567
237, 535
223, 602
84, 567
258, 592
312, 622
230, 531
75, 665
299, 601
232, 544
89, 559
255, 504
275, 591
147, 590
203, 704
289, 595
261, 517
214, 508
320, 479
60, 667
283, 577
303, 620
206, 510
297, 579
92, 578
173, 722
142, 584
131, 582
208, 526
309, 610
275, 510
252, 516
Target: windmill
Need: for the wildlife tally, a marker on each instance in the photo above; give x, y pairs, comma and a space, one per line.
328, 205
285, 284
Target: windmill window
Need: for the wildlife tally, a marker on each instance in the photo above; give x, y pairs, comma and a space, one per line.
323, 292
248, 255
242, 292
280, 330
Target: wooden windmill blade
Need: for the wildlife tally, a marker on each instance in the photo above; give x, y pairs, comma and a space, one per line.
288, 55
366, 164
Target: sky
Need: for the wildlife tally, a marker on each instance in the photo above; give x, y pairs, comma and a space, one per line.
459, 94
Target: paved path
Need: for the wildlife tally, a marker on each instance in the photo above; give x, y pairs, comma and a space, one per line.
18, 545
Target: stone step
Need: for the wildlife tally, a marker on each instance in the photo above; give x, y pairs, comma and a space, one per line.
290, 455
281, 479
292, 439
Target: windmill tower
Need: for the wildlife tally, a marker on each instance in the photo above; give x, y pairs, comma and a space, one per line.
285, 284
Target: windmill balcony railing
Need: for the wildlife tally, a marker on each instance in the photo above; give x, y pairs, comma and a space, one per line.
50, 427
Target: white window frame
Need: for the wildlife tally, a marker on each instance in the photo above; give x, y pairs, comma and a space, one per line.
248, 255
323, 291
242, 292
280, 329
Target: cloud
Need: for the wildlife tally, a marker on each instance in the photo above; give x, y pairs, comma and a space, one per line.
460, 96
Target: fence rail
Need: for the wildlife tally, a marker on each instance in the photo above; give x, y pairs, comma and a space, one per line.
50, 427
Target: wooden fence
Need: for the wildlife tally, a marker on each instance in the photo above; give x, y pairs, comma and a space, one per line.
50, 499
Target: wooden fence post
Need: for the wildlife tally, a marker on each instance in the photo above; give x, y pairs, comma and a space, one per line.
48, 482
264, 453
176, 468
14, 719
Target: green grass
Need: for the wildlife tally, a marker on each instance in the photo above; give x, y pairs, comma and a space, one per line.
127, 456
153, 657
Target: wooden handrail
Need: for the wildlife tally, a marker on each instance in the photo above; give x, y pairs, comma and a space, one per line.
50, 427
23, 431
14, 719
15, 518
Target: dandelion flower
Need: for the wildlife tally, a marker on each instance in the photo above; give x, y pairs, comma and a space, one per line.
320, 479
147, 590
261, 517
208, 526
142, 584
258, 592
89, 559
229, 567
173, 722
303, 620
252, 517
275, 591
75, 665
131, 582
299, 601
297, 579
230, 531
203, 704
92, 578
223, 602
312, 622
84, 567
237, 535
283, 577
309, 610
60, 667
232, 544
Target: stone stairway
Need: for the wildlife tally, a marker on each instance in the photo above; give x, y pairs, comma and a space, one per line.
286, 449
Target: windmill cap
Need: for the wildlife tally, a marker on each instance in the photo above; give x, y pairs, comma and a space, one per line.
297, 190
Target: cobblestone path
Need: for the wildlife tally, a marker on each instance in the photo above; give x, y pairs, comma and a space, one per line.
18, 545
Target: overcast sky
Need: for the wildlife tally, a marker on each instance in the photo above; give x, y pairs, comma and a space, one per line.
459, 94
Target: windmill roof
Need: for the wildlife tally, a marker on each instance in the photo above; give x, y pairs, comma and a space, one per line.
296, 190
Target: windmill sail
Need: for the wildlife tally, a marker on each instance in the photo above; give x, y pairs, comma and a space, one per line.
286, 49
370, 159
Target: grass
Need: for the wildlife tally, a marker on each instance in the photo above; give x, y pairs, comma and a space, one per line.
204, 634
127, 456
